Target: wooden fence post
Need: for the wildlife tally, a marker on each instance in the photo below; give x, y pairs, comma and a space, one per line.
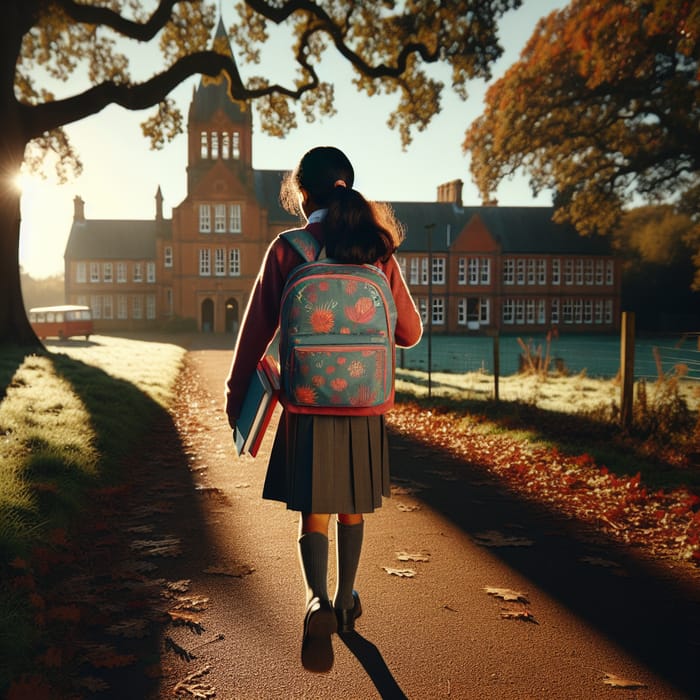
627, 368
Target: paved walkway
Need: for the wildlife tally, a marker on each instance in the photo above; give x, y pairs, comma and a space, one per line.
592, 609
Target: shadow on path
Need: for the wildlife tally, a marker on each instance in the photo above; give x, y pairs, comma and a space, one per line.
371, 659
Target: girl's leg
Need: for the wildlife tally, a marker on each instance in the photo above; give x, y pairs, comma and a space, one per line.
349, 535
313, 554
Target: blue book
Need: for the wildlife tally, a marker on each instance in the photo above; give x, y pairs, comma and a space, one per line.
258, 406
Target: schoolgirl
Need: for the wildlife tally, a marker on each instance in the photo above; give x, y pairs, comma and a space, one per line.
319, 464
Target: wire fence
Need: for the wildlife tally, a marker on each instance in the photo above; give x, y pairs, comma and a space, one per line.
598, 356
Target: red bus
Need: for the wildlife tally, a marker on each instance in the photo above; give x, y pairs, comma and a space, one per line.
61, 321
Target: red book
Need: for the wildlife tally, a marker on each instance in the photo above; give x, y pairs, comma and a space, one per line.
258, 406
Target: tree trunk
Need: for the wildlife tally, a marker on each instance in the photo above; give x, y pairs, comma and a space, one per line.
14, 324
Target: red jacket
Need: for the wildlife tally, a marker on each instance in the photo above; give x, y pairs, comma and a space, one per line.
261, 317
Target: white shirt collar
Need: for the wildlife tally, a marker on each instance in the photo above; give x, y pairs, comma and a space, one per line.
317, 215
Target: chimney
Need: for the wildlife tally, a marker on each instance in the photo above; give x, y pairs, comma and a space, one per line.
159, 205
451, 192
78, 210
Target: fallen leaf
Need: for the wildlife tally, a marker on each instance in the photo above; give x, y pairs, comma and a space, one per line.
195, 604
402, 573
493, 538
233, 570
181, 618
507, 594
518, 614
618, 682
193, 687
405, 508
406, 556
181, 586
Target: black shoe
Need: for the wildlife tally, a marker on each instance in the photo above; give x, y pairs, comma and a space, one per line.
316, 648
347, 617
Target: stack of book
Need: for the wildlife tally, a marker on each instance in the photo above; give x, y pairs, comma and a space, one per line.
258, 406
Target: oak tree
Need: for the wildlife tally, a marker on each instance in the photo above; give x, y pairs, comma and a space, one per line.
389, 44
602, 108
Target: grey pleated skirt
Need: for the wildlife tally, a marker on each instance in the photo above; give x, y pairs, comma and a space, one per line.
329, 464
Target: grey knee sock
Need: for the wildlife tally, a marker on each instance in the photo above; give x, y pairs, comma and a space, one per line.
349, 548
313, 554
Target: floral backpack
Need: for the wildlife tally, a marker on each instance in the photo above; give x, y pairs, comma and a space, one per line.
337, 349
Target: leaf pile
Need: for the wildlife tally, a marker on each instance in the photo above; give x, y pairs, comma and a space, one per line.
665, 523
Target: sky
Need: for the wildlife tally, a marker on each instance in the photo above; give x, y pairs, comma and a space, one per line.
121, 174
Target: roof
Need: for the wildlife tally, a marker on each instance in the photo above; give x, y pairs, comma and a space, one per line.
516, 229
267, 192
106, 239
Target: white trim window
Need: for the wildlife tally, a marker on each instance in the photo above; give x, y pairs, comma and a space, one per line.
578, 311
568, 271
220, 262
234, 262
588, 311
609, 276
122, 307
531, 271
599, 272
235, 220
530, 311
473, 271
107, 307
214, 144
235, 145
204, 218
554, 312
414, 271
598, 318
168, 256
462, 271
462, 312
225, 145
520, 271
556, 271
423, 309
96, 306
150, 272
203, 145
107, 272
401, 260
608, 312
541, 312
121, 273
520, 311
567, 311
204, 262
541, 271
588, 271
94, 272
80, 273
485, 271
424, 271
138, 272
220, 218
579, 272
508, 271
438, 270
438, 311
484, 310
507, 312
137, 306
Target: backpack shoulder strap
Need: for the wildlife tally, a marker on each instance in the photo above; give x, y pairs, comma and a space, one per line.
303, 242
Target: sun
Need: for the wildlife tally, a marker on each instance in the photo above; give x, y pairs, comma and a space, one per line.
22, 181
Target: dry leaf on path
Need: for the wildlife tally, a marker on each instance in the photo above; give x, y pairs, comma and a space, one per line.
401, 573
507, 594
523, 614
233, 570
193, 687
618, 682
418, 556
181, 586
493, 538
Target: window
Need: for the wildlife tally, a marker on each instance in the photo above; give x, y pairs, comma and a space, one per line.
220, 218
555, 311
234, 218
204, 145
220, 262
438, 311
96, 306
541, 271
423, 309
414, 271
121, 273
568, 271
438, 270
107, 310
578, 310
94, 272
234, 262
137, 307
402, 264
225, 145
485, 271
107, 272
588, 271
579, 272
609, 272
556, 271
567, 311
520, 271
462, 312
598, 319
236, 146
531, 267
588, 311
508, 271
150, 306
520, 311
608, 311
168, 256
473, 270
424, 271
541, 312
530, 311
138, 272
169, 301
204, 262
508, 311
150, 272
214, 144
204, 218
484, 311
462, 271
80, 273
599, 271
122, 307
